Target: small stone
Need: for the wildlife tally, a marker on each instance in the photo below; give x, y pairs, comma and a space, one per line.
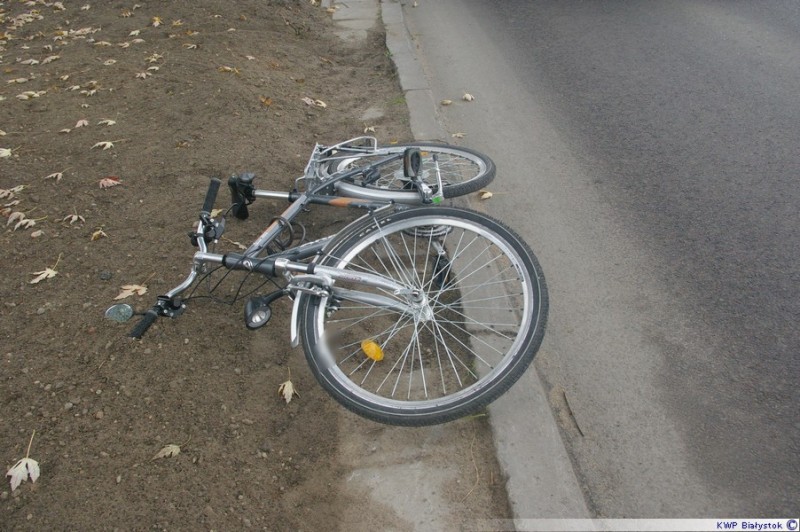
99, 414
119, 479
68, 405
106, 275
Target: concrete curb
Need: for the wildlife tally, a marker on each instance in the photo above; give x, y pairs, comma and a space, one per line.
541, 479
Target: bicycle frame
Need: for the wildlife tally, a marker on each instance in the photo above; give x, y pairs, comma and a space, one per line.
303, 277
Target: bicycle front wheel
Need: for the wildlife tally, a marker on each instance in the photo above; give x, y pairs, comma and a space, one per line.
462, 170
472, 326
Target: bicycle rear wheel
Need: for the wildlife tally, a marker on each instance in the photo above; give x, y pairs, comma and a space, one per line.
473, 329
463, 171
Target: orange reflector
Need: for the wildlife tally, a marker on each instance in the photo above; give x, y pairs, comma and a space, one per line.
372, 350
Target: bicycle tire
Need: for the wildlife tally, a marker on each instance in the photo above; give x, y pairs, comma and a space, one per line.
486, 313
463, 171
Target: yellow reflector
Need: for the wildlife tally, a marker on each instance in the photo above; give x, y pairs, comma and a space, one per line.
372, 350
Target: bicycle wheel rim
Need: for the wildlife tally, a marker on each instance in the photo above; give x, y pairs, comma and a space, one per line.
441, 365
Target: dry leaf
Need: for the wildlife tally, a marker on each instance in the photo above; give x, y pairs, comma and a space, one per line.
468, 97
73, 218
14, 217
57, 176
50, 59
106, 145
250, 57
229, 69
369, 129
143, 75
97, 235
287, 391
47, 273
81, 123
106, 122
86, 7
65, 131
25, 224
156, 22
265, 101
37, 233
457, 135
168, 452
5, 152
110, 181
22, 470
446, 102
190, 46
134, 33
155, 58
485, 194
29, 62
131, 289
109, 62
215, 212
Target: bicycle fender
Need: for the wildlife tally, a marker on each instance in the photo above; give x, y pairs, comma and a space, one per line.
294, 326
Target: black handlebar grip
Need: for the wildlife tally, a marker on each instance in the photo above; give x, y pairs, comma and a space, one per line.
211, 195
149, 318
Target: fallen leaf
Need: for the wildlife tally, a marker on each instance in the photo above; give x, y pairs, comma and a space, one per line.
131, 289
81, 123
15, 217
485, 194
369, 129
86, 7
25, 224
66, 130
57, 176
47, 273
457, 135
97, 235
106, 122
73, 218
468, 97
250, 57
106, 145
22, 470
156, 22
168, 452
50, 59
446, 102
287, 391
143, 75
215, 212
229, 69
5, 152
29, 62
190, 46
134, 33
37, 233
265, 101
109, 62
17, 80
110, 181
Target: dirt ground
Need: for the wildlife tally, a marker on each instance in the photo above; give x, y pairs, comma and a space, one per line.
96, 93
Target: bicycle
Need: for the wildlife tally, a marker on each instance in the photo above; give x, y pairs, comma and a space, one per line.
411, 314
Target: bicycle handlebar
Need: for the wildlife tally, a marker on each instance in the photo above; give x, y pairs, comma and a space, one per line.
211, 195
164, 305
140, 328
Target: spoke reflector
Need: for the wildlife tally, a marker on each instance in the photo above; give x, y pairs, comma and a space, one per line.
372, 350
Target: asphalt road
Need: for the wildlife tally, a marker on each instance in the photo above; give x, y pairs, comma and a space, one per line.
650, 154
